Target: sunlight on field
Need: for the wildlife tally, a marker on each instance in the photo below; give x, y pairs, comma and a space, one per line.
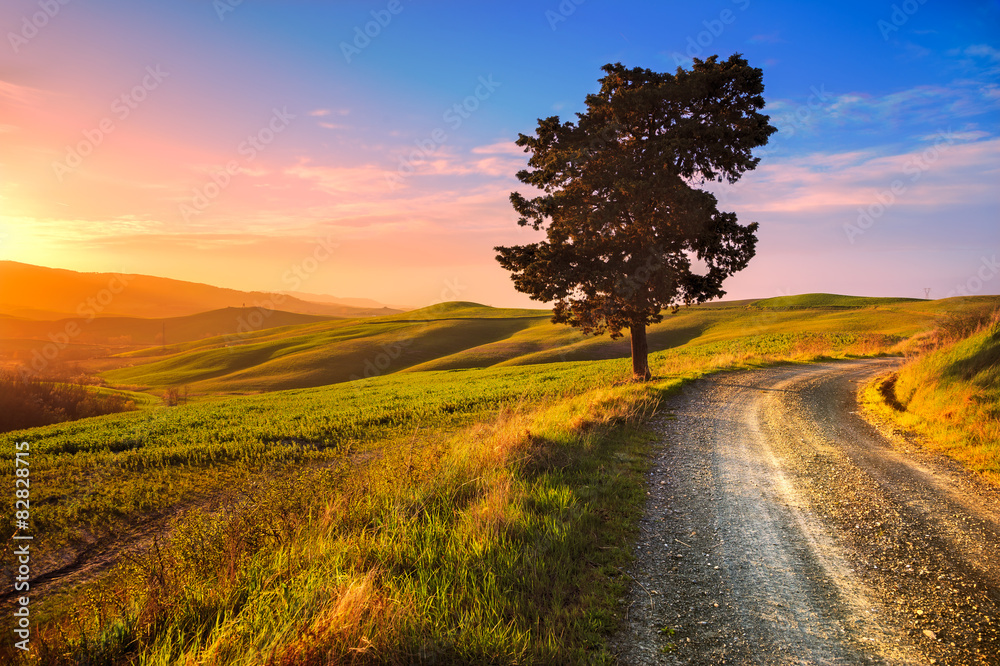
950, 396
465, 514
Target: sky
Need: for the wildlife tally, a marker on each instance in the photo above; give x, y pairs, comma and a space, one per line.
365, 149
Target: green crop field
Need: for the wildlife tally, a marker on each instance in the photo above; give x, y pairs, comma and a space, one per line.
466, 335
470, 501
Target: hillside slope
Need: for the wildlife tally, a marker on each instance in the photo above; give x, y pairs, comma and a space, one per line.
37, 292
148, 332
463, 335
506, 498
951, 398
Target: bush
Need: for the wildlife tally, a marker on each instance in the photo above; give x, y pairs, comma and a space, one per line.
960, 325
27, 403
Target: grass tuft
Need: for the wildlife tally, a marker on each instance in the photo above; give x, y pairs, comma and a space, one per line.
949, 394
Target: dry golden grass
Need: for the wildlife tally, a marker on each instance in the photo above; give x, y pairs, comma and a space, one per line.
359, 623
949, 394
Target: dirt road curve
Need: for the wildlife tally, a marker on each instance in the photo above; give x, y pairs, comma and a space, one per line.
782, 528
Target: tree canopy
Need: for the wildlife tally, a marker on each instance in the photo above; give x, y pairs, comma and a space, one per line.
621, 202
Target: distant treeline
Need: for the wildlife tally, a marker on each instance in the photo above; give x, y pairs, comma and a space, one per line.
26, 403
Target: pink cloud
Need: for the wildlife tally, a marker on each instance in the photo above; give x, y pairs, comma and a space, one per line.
362, 180
319, 113
941, 174
19, 94
500, 148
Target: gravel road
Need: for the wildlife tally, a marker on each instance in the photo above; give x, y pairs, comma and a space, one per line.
783, 528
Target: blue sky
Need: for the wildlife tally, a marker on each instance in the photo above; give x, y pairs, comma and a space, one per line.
881, 181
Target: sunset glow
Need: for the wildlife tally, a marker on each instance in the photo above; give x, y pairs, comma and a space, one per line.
223, 143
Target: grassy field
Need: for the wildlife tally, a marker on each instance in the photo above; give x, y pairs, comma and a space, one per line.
133, 331
466, 335
950, 394
478, 514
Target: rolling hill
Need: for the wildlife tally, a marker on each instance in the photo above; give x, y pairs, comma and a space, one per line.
37, 292
147, 332
366, 303
493, 490
463, 335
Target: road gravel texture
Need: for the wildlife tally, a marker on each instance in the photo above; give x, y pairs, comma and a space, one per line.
781, 527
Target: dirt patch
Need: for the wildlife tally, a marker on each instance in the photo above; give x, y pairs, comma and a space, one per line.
72, 566
887, 389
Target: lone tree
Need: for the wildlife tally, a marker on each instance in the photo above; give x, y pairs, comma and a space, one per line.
621, 206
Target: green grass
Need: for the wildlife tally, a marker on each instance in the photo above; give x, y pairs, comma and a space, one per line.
317, 356
950, 396
452, 516
109, 470
465, 335
298, 451
496, 544
829, 301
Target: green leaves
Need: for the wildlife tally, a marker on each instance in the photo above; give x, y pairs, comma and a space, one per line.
622, 218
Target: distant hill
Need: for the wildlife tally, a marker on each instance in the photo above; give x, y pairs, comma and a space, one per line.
366, 303
135, 331
828, 301
37, 292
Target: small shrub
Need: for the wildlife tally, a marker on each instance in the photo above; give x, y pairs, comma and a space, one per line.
28, 403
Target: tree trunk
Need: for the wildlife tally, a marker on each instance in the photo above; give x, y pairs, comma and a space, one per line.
640, 364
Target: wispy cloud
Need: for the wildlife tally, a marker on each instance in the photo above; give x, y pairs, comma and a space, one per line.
67, 231
319, 113
984, 51
360, 180
917, 109
766, 38
502, 147
19, 94
940, 175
